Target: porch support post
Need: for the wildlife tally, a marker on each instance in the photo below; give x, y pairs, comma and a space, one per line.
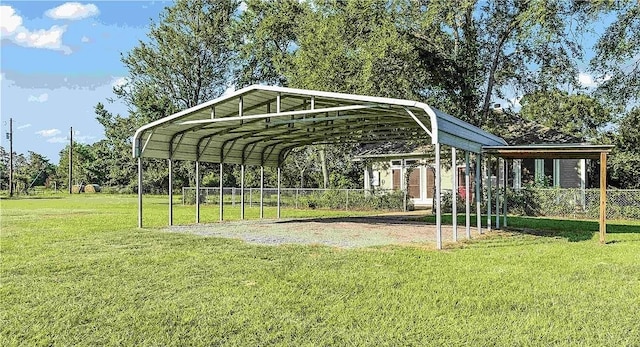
517, 173
221, 195
467, 195
278, 207
170, 191
505, 183
498, 191
261, 192
242, 191
197, 191
139, 192
603, 197
454, 195
489, 192
438, 200
478, 192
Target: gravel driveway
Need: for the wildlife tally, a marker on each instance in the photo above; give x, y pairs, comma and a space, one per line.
347, 232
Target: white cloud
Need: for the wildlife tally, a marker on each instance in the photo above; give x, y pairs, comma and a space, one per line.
47, 39
85, 39
13, 30
586, 80
118, 81
40, 98
73, 11
9, 21
23, 126
48, 132
58, 140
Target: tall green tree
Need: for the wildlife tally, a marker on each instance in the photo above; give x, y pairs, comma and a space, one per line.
354, 47
481, 49
187, 57
617, 52
84, 166
265, 40
624, 165
579, 115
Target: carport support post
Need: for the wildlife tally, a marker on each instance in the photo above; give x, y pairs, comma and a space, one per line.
197, 191
478, 192
278, 207
467, 195
488, 192
221, 195
438, 200
170, 191
242, 191
454, 195
261, 192
603, 197
139, 191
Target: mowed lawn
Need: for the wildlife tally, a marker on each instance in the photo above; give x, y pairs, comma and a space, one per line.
77, 271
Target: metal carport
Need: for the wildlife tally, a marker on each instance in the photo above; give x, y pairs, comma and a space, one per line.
259, 125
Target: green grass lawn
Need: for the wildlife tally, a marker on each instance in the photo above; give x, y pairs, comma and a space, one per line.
77, 271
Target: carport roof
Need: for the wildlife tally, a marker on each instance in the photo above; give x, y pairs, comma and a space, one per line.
259, 125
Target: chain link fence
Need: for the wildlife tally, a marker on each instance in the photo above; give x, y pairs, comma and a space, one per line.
576, 203
571, 202
304, 198
558, 202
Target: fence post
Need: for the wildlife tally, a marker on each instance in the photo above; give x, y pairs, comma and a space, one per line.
296, 198
347, 203
250, 197
233, 196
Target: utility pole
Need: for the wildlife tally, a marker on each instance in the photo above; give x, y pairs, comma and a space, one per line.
10, 157
70, 159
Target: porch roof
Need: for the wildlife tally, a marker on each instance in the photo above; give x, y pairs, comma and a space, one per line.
549, 151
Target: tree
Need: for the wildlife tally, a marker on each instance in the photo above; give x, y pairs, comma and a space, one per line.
471, 51
113, 154
266, 38
351, 47
4, 168
84, 168
617, 58
187, 60
579, 115
624, 166
188, 57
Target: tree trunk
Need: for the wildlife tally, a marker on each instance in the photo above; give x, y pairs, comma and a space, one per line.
325, 171
492, 71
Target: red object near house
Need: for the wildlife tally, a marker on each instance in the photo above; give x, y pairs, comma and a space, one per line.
461, 191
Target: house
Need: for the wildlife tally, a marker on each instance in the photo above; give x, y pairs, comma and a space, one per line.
387, 164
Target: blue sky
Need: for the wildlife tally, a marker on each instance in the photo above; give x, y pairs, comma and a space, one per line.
58, 59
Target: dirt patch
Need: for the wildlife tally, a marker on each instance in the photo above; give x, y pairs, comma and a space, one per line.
348, 232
